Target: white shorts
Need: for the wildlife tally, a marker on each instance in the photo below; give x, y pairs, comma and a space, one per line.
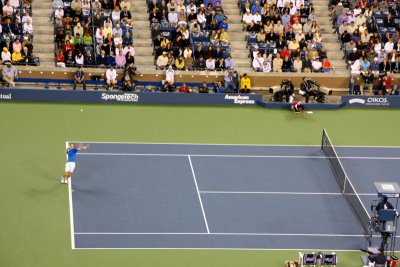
69, 167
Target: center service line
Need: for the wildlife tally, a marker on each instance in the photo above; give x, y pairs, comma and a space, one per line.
198, 194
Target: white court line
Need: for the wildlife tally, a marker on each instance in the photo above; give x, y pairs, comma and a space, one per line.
280, 193
232, 249
205, 144
230, 156
226, 234
71, 209
198, 194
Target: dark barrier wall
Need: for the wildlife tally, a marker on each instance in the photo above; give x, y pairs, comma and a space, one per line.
127, 97
181, 98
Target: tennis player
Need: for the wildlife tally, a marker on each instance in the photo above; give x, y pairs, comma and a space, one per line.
297, 107
71, 162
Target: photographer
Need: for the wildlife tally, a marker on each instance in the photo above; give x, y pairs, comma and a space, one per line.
168, 87
229, 76
305, 90
288, 88
378, 259
203, 89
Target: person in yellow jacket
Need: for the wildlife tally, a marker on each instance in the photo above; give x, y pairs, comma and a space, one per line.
16, 56
245, 84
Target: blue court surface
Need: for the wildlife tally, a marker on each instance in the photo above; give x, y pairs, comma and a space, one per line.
192, 196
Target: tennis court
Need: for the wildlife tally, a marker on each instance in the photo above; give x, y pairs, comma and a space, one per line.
194, 196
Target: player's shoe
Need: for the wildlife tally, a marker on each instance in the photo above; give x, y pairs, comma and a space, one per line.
62, 180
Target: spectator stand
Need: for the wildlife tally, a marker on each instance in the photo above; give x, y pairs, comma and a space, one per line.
376, 42
92, 34
260, 38
193, 34
17, 33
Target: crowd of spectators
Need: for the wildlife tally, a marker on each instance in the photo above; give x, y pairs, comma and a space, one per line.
191, 35
93, 33
16, 29
369, 33
284, 36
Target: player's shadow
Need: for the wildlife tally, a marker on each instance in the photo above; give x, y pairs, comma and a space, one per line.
45, 192
96, 194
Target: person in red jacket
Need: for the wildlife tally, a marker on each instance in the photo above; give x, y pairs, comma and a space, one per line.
297, 107
184, 88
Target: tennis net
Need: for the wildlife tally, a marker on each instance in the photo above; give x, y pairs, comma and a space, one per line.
346, 187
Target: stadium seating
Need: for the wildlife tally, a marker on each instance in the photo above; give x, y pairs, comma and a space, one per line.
17, 33
83, 30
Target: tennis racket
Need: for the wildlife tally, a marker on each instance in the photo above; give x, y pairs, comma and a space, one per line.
82, 145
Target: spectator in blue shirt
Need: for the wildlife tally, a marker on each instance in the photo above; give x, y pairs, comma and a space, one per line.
110, 59
365, 64
79, 78
255, 8
224, 25
219, 17
229, 62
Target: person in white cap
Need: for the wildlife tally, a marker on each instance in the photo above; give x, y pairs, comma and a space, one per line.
10, 73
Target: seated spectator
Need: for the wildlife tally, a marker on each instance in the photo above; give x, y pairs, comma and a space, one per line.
170, 75
5, 55
70, 59
110, 59
28, 28
88, 58
111, 77
220, 64
203, 89
316, 65
293, 45
79, 78
271, 37
200, 63
297, 64
120, 60
102, 59
184, 88
173, 17
79, 59
287, 64
224, 37
16, 56
277, 63
365, 64
247, 19
168, 87
385, 66
210, 64
326, 65
266, 66
284, 52
189, 62
258, 62
180, 63
229, 62
10, 74
60, 59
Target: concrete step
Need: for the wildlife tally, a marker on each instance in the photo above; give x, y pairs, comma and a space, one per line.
38, 5
39, 32
41, 12
143, 51
43, 47
43, 39
46, 57
144, 60
138, 42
